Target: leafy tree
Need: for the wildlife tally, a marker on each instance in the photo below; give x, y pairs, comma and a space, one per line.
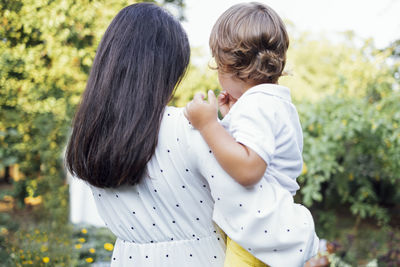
319, 67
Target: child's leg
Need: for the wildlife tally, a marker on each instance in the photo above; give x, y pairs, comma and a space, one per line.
236, 256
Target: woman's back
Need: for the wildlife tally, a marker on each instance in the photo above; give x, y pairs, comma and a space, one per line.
166, 219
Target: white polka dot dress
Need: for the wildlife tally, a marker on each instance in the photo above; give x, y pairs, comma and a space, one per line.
167, 219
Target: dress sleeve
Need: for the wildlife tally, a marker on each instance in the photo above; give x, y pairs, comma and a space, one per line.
262, 218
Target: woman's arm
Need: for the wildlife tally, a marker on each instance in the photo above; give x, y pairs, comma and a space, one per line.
239, 161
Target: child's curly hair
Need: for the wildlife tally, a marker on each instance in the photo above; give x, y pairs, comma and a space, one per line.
250, 41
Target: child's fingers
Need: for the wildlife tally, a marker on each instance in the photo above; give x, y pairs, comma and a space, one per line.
212, 99
198, 97
222, 101
231, 100
221, 98
223, 95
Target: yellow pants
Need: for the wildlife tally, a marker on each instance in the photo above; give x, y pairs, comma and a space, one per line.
236, 256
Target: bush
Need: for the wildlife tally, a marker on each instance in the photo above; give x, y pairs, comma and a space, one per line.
352, 155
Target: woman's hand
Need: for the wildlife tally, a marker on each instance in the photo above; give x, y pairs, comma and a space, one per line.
225, 102
201, 113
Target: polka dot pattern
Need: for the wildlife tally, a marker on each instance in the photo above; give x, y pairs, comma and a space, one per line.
174, 204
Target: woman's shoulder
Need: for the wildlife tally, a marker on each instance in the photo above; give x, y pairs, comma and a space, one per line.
174, 118
177, 131
173, 110
175, 125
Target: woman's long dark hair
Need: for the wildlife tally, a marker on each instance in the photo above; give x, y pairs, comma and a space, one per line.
141, 58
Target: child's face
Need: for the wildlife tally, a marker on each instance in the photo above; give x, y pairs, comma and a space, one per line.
230, 84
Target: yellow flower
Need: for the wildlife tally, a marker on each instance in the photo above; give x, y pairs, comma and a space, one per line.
351, 177
33, 201
92, 250
4, 231
78, 246
108, 246
84, 231
89, 260
304, 171
82, 240
8, 198
46, 259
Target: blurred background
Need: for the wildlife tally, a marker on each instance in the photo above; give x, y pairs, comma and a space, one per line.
344, 73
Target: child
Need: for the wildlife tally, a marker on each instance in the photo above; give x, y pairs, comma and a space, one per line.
260, 135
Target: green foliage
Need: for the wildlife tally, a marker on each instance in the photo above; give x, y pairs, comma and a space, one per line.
197, 79
352, 154
318, 67
93, 243
37, 246
347, 97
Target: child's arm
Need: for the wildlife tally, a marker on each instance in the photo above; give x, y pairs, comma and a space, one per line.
239, 161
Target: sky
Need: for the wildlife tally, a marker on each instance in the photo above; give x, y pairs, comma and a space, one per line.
377, 19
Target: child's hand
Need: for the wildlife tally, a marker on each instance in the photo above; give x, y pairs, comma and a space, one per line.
201, 113
225, 102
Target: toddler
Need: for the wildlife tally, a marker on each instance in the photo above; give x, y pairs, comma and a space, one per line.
260, 135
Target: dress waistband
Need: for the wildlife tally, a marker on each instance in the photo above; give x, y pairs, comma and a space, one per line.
202, 251
217, 234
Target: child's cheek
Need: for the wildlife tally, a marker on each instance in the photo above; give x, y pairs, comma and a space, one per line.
235, 93
231, 85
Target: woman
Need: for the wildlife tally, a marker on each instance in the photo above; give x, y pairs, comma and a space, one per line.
151, 173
